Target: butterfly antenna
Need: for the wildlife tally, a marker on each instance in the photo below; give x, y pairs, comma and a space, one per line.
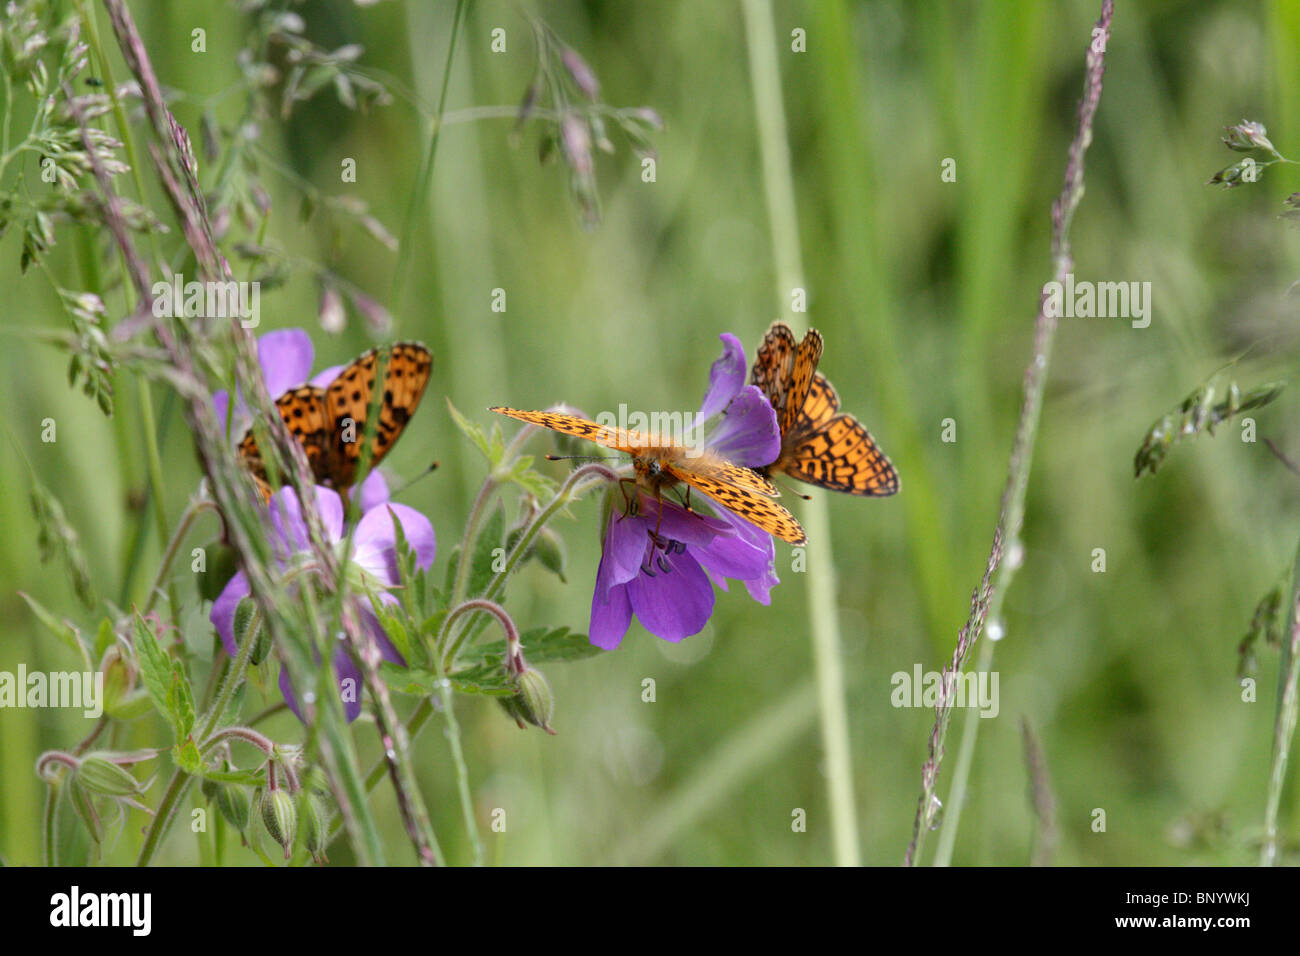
794, 491
581, 457
428, 471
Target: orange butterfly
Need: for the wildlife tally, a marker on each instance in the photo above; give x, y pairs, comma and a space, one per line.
819, 444
661, 464
330, 421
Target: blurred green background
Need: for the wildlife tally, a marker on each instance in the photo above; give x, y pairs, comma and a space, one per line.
925, 292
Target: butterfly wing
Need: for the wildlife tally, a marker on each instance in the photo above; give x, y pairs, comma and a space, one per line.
616, 438
803, 370
841, 455
754, 506
405, 376
306, 415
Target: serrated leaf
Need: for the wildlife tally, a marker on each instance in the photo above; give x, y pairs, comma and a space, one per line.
155, 668
180, 701
186, 755
395, 628
475, 434
408, 680
540, 645
525, 476
63, 630
485, 679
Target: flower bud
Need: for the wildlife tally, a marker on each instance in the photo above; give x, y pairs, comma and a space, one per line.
315, 829
534, 703
84, 807
235, 805
280, 817
102, 776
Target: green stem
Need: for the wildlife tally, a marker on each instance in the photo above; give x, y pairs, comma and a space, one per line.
823, 620
180, 780
426, 170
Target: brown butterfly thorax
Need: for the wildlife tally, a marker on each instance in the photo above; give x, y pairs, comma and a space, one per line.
820, 444
330, 422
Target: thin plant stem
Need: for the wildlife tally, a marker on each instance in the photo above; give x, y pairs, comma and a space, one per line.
986, 604
823, 622
1284, 724
421, 191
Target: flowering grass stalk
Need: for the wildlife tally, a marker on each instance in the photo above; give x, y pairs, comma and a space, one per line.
1007, 552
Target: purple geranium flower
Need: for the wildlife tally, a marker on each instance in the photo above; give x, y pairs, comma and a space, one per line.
661, 562
374, 552
286, 356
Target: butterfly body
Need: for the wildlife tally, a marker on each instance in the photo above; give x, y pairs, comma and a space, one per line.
660, 466
329, 422
820, 444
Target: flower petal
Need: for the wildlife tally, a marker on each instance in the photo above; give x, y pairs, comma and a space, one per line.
726, 376
375, 541
623, 551
673, 521
610, 616
675, 599
372, 492
291, 531
749, 434
222, 615
285, 356
322, 379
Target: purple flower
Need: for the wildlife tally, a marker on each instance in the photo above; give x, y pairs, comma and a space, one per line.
660, 564
374, 552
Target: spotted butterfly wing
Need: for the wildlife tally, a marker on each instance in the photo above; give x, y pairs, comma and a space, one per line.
819, 444
328, 422
740, 490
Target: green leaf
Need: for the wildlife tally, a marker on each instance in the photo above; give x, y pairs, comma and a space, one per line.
475, 434
419, 681
486, 553
487, 679
63, 630
540, 645
155, 668
186, 755
534, 482
180, 701
394, 627
249, 778
104, 638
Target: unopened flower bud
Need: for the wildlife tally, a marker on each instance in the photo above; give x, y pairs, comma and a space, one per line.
315, 830
280, 817
102, 776
534, 703
235, 804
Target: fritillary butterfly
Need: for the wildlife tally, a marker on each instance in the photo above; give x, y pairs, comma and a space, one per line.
330, 422
819, 444
661, 464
